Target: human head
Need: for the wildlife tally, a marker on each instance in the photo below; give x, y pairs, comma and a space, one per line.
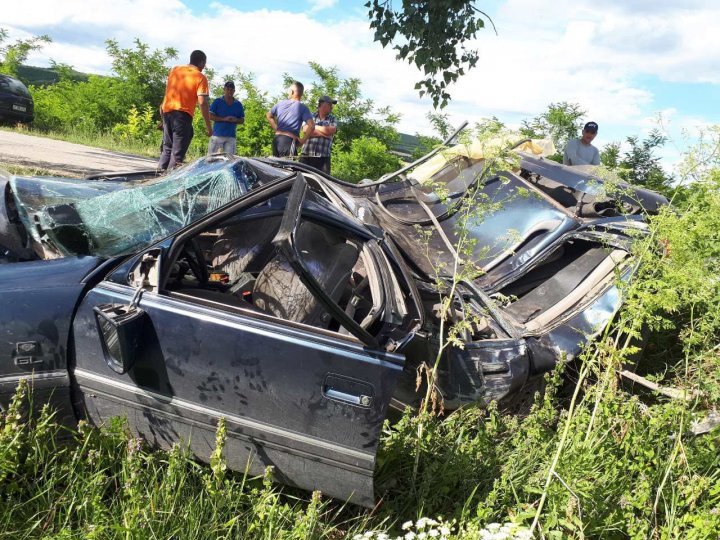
325, 104
198, 59
229, 89
589, 132
296, 89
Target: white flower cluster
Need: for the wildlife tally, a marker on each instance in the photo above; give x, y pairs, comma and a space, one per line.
423, 529
437, 529
506, 531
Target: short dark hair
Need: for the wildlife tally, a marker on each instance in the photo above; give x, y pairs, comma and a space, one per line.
299, 87
197, 57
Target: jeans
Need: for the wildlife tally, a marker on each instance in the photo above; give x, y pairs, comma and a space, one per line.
226, 145
177, 134
284, 146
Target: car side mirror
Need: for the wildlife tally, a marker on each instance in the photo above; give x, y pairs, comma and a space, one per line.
121, 326
121, 329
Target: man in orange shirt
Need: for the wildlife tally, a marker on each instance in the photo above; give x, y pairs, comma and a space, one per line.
186, 88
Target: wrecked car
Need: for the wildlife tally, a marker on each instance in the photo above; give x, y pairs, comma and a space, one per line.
296, 306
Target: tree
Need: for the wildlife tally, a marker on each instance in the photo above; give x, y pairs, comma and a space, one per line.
640, 165
431, 34
142, 70
561, 122
356, 115
11, 56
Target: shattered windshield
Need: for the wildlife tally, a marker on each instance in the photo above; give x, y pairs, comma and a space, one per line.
117, 222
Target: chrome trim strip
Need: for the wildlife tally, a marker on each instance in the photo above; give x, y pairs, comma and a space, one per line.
42, 375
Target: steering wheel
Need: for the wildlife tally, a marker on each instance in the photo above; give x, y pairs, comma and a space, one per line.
196, 260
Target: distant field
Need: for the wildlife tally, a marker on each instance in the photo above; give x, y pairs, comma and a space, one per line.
40, 76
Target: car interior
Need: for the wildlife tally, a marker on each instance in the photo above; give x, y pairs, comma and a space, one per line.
237, 266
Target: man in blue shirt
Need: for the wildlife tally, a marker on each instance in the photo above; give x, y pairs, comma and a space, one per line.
227, 112
287, 117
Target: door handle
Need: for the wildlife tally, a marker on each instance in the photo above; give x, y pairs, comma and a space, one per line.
352, 399
348, 390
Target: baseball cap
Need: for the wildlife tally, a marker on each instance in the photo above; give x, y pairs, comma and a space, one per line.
229, 84
327, 99
592, 127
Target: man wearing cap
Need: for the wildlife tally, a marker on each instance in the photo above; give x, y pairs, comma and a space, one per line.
186, 88
227, 112
316, 150
287, 117
580, 151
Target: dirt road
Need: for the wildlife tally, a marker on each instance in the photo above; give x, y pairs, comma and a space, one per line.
64, 158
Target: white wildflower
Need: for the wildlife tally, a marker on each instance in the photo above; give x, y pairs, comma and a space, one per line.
407, 525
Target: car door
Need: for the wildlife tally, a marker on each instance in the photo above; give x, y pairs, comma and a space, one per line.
37, 300
306, 401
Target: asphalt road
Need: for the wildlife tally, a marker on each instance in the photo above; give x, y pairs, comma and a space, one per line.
64, 158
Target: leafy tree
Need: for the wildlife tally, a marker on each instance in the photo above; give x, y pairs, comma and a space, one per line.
356, 115
432, 35
143, 71
610, 155
254, 137
640, 165
11, 56
440, 124
561, 122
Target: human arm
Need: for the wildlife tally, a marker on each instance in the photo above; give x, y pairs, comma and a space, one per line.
271, 119
325, 131
205, 111
308, 131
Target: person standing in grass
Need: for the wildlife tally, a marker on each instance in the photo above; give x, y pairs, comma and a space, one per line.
316, 150
186, 88
287, 117
227, 112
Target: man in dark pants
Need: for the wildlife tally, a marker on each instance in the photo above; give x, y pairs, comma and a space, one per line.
186, 88
286, 117
316, 150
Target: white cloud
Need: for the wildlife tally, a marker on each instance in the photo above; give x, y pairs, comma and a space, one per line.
319, 5
568, 50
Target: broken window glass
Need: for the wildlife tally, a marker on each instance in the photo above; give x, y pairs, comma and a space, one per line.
94, 218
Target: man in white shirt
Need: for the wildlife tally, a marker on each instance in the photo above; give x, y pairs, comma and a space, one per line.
580, 151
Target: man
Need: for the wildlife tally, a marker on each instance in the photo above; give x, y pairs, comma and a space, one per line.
186, 88
316, 150
286, 117
580, 151
227, 112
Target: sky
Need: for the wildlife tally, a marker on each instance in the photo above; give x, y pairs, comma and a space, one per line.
632, 65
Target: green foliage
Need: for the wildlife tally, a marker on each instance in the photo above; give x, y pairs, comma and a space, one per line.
640, 165
144, 72
366, 158
432, 35
560, 123
254, 137
140, 126
12, 55
356, 115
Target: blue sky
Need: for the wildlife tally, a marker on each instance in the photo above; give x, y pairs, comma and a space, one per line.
625, 63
